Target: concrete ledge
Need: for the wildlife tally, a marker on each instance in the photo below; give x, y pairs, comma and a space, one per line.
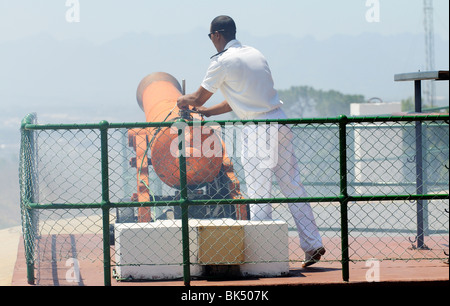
9, 239
153, 251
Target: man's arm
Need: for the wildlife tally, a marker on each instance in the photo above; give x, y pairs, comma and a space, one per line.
217, 109
195, 99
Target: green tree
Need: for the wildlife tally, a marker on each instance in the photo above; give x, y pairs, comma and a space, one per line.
407, 105
305, 101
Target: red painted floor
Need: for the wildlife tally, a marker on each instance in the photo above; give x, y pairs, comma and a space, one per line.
325, 273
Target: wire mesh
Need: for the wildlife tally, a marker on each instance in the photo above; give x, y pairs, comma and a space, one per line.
61, 192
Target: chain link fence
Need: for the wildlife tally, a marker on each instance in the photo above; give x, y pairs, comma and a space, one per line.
123, 194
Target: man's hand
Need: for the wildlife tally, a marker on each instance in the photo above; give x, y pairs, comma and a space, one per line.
183, 102
195, 99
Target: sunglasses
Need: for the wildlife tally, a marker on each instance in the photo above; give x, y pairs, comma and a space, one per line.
211, 34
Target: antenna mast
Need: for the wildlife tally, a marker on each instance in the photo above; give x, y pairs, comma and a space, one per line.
429, 49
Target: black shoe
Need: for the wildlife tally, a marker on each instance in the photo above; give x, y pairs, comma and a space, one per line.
313, 257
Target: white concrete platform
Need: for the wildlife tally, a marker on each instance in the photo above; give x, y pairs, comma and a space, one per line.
153, 251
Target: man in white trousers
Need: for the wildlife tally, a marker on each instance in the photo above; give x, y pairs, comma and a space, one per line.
244, 78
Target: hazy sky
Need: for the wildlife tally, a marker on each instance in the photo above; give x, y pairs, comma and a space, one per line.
103, 20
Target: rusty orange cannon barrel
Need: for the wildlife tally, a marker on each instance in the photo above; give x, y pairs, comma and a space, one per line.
157, 96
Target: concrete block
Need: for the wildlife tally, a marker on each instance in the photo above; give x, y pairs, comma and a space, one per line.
150, 250
154, 250
266, 248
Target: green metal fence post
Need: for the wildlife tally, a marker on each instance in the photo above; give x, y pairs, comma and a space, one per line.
105, 202
184, 206
343, 195
27, 185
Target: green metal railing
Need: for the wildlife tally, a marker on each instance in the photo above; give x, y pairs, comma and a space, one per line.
28, 184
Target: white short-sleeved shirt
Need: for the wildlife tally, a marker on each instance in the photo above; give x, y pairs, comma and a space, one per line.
244, 77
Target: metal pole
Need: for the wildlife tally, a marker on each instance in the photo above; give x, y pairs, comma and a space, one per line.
419, 169
27, 175
343, 195
184, 208
105, 202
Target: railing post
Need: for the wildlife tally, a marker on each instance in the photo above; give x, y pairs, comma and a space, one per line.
343, 195
184, 205
419, 165
105, 202
27, 186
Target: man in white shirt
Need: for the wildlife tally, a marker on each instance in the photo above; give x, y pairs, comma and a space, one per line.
244, 78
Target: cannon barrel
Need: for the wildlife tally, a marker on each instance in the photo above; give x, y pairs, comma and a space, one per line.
207, 163
157, 96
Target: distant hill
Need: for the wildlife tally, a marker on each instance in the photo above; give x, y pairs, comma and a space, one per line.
45, 75
80, 81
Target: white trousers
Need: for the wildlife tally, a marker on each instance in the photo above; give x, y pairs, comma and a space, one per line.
271, 152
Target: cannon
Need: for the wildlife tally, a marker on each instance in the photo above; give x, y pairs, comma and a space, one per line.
209, 171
